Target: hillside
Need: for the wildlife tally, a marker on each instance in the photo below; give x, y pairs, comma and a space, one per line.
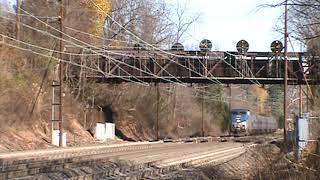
29, 66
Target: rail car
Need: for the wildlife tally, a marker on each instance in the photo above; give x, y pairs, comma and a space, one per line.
244, 122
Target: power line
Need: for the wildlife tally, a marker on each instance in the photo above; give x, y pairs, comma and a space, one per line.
177, 56
103, 55
66, 61
217, 98
147, 42
140, 39
215, 79
96, 48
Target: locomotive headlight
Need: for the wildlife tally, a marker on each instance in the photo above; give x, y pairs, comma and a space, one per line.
244, 125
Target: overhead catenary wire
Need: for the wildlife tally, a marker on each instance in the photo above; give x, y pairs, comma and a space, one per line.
86, 47
66, 61
140, 39
215, 79
46, 49
234, 68
99, 37
217, 98
103, 55
41, 54
25, 15
143, 41
308, 86
102, 72
51, 50
225, 61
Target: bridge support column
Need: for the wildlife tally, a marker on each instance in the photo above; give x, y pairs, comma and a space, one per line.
300, 101
307, 105
158, 104
202, 119
230, 95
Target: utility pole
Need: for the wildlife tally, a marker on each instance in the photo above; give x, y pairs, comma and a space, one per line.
61, 16
285, 73
18, 16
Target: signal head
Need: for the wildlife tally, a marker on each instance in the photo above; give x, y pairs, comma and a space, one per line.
242, 47
139, 47
177, 47
205, 45
276, 47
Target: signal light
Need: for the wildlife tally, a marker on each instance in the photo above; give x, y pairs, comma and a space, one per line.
139, 47
276, 47
177, 47
242, 47
205, 45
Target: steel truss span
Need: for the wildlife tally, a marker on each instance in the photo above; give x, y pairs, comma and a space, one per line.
117, 66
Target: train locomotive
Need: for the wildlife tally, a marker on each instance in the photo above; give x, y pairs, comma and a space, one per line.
244, 122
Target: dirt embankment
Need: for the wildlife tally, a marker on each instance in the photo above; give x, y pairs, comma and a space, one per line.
25, 106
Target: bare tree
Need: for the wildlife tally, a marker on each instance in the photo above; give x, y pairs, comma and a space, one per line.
144, 18
157, 22
304, 18
183, 18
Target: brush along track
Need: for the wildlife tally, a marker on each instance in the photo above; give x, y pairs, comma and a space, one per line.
137, 162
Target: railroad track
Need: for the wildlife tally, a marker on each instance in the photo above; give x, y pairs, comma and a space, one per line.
102, 162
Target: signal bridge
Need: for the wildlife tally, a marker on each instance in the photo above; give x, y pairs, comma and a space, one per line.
177, 65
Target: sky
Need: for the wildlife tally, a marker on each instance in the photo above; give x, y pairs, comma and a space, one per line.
10, 2
225, 22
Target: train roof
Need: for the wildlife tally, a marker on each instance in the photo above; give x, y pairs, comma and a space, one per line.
239, 110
